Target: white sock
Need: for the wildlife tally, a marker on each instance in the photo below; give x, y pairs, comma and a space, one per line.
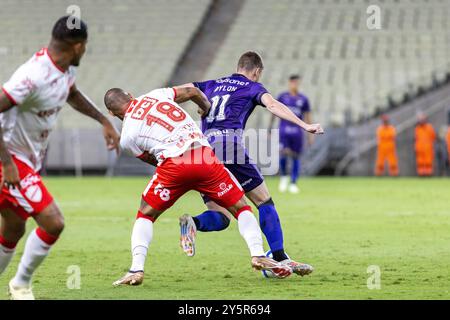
250, 231
6, 254
140, 240
35, 252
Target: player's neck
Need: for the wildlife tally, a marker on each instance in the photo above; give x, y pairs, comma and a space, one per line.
245, 74
293, 93
59, 58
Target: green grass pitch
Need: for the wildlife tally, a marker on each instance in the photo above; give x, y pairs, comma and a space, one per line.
340, 226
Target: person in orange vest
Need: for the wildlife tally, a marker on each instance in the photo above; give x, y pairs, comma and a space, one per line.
386, 151
425, 136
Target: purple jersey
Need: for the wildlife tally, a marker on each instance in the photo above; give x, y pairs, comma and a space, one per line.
299, 104
232, 99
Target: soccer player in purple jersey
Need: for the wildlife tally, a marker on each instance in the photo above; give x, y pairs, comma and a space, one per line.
233, 99
291, 136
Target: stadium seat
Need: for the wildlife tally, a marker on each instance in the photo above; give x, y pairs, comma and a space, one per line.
329, 43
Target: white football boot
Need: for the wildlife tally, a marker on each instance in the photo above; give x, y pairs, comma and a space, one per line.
188, 232
131, 278
20, 292
301, 269
280, 270
284, 182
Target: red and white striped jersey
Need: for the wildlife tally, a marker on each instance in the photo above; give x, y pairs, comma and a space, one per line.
38, 89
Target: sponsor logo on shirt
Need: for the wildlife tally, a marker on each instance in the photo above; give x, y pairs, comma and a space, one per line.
246, 182
223, 186
49, 112
233, 81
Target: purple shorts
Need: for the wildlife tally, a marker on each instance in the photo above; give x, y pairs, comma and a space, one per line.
239, 164
292, 140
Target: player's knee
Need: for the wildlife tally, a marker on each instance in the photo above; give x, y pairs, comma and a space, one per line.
147, 212
267, 202
19, 230
14, 232
56, 226
260, 198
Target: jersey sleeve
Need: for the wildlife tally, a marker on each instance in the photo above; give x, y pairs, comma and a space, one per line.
258, 91
168, 93
130, 147
21, 85
201, 85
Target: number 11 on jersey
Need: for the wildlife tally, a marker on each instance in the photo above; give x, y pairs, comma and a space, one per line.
220, 101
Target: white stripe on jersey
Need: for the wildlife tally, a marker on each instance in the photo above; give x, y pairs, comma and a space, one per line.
21, 199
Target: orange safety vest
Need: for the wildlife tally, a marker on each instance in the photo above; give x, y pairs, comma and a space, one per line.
386, 137
425, 137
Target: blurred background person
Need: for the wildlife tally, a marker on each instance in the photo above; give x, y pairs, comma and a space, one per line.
447, 140
291, 136
425, 137
440, 146
386, 148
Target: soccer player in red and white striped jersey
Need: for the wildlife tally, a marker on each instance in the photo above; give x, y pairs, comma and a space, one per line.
29, 105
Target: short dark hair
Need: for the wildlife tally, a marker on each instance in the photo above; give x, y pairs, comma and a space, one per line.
250, 61
70, 29
294, 77
115, 98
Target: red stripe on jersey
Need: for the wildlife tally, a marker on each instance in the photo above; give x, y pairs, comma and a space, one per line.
53, 61
46, 237
144, 216
10, 98
174, 94
7, 244
244, 208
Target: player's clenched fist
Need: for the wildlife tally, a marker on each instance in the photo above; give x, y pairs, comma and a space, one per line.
315, 128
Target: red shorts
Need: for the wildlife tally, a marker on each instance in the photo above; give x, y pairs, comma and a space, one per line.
197, 169
32, 198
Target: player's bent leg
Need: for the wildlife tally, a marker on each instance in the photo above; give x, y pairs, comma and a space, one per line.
270, 225
216, 218
39, 242
250, 231
141, 238
12, 229
268, 219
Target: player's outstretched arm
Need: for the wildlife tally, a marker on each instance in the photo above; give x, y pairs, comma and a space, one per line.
282, 111
185, 93
10, 176
81, 103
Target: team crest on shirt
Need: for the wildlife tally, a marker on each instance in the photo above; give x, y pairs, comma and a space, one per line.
32, 189
34, 193
299, 103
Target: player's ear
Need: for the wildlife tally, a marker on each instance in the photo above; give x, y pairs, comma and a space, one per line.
257, 73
